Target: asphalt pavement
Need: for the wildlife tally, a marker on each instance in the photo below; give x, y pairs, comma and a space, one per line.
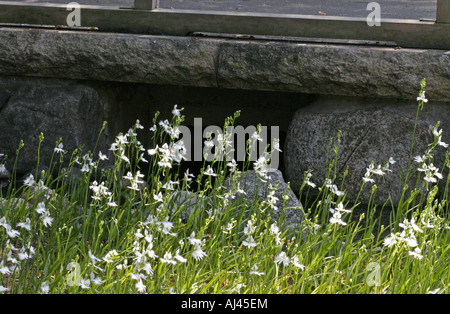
411, 9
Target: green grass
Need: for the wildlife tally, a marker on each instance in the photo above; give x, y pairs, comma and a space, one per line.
116, 235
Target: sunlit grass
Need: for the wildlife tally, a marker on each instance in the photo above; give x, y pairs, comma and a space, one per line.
124, 230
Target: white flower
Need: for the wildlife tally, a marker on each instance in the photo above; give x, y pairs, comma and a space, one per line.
188, 176
239, 190
193, 240
435, 291
11, 232
59, 148
158, 198
4, 269
168, 258
227, 229
257, 136
254, 271
334, 189
412, 242
282, 258
122, 139
45, 288
422, 97
3, 289
436, 132
178, 151
260, 166
410, 224
169, 185
85, 168
94, 260
166, 227
297, 264
440, 143
368, 179
110, 255
176, 111
112, 204
233, 165
209, 144
340, 208
416, 253
165, 162
124, 157
138, 125
47, 220
308, 180
180, 258
96, 280
336, 219
419, 159
40, 209
29, 181
147, 268
101, 156
138, 276
250, 227
210, 172
85, 283
198, 254
140, 286
153, 151
276, 146
23, 255
378, 171
274, 229
250, 242
153, 128
390, 241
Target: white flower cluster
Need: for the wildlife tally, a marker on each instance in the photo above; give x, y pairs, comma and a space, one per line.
102, 192
87, 163
337, 214
282, 258
14, 255
407, 236
380, 171
143, 253
431, 172
249, 230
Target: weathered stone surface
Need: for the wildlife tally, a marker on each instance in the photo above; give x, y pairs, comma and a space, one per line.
371, 131
347, 70
108, 57
334, 70
257, 189
58, 109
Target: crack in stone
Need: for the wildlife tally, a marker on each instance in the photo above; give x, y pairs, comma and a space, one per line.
4, 103
354, 150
